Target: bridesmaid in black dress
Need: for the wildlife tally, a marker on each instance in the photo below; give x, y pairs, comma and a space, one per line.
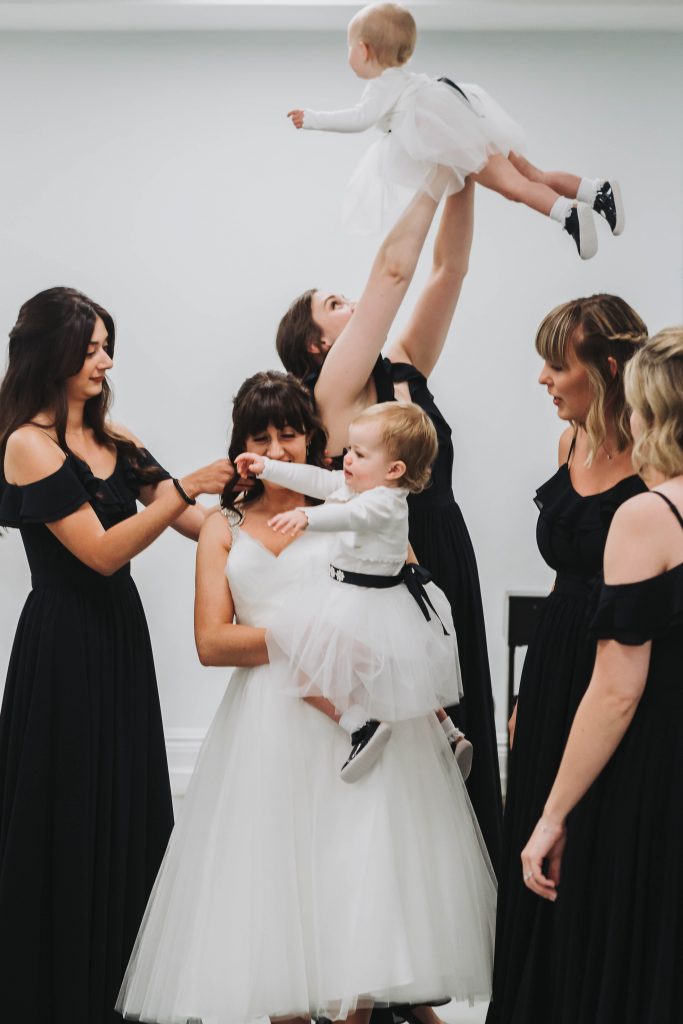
620, 902
85, 803
585, 345
335, 345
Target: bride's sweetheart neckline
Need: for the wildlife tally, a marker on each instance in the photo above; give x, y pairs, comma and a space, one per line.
263, 547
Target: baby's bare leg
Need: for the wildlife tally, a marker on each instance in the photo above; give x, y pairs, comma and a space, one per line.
560, 181
502, 176
324, 705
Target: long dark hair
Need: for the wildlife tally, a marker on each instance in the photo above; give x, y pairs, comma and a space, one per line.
276, 398
47, 345
298, 330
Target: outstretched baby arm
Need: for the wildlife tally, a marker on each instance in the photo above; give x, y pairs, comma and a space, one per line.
379, 96
297, 476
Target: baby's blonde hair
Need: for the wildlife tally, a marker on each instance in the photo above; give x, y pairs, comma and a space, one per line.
408, 435
654, 388
388, 30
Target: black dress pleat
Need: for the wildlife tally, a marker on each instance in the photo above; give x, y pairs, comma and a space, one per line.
571, 535
441, 542
85, 804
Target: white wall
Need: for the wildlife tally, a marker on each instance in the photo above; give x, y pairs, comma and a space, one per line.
159, 174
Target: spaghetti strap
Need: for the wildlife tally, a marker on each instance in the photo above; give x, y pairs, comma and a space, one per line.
671, 505
572, 446
45, 431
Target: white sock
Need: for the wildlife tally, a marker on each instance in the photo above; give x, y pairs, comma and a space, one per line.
560, 210
588, 190
353, 719
451, 729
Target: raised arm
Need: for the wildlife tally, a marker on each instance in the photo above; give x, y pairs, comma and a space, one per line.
342, 388
309, 480
424, 336
219, 640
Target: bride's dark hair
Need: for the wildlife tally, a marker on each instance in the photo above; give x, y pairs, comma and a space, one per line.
276, 398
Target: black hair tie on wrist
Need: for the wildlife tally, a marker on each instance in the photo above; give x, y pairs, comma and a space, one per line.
186, 497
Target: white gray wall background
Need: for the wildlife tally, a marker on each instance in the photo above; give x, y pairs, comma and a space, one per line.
157, 172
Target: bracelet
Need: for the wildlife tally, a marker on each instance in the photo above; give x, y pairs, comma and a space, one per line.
186, 497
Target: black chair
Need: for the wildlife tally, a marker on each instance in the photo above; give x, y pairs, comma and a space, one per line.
522, 612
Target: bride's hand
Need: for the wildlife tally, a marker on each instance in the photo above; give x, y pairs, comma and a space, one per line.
247, 463
293, 522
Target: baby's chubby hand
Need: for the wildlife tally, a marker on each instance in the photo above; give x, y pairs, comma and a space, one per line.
293, 522
248, 463
297, 117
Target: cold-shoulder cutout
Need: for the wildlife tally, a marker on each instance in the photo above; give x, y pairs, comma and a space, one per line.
639, 542
32, 449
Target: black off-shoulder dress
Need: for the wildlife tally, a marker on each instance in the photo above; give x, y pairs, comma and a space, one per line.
620, 901
85, 803
571, 534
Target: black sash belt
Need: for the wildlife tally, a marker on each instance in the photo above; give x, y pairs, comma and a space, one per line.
412, 575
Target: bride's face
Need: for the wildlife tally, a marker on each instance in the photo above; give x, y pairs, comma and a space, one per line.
281, 444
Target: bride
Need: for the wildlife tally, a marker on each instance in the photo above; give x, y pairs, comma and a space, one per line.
284, 892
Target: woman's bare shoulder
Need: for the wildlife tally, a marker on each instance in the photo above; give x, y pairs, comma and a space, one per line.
215, 531
30, 455
121, 431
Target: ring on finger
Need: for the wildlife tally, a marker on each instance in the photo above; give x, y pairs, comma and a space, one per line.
527, 875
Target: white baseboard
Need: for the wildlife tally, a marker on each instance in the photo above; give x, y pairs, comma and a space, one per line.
183, 745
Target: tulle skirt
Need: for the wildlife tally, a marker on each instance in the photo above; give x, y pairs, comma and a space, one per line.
369, 648
437, 126
286, 892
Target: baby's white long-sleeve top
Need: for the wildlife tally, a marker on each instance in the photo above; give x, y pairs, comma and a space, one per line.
381, 100
372, 525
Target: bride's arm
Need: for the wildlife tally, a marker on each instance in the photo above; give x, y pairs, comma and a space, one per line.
348, 365
219, 640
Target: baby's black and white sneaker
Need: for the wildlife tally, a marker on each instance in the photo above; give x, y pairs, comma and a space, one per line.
580, 225
367, 743
609, 204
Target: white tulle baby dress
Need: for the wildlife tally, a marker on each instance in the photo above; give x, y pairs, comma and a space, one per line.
285, 892
425, 124
390, 650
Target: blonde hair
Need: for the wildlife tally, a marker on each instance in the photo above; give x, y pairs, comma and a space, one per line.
388, 30
409, 435
598, 328
654, 389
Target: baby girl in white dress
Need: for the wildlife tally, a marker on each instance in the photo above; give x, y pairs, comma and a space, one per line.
372, 642
428, 124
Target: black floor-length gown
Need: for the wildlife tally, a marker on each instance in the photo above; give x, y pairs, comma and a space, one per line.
571, 535
442, 544
85, 803
620, 901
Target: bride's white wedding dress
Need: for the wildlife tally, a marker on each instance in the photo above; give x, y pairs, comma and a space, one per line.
285, 891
